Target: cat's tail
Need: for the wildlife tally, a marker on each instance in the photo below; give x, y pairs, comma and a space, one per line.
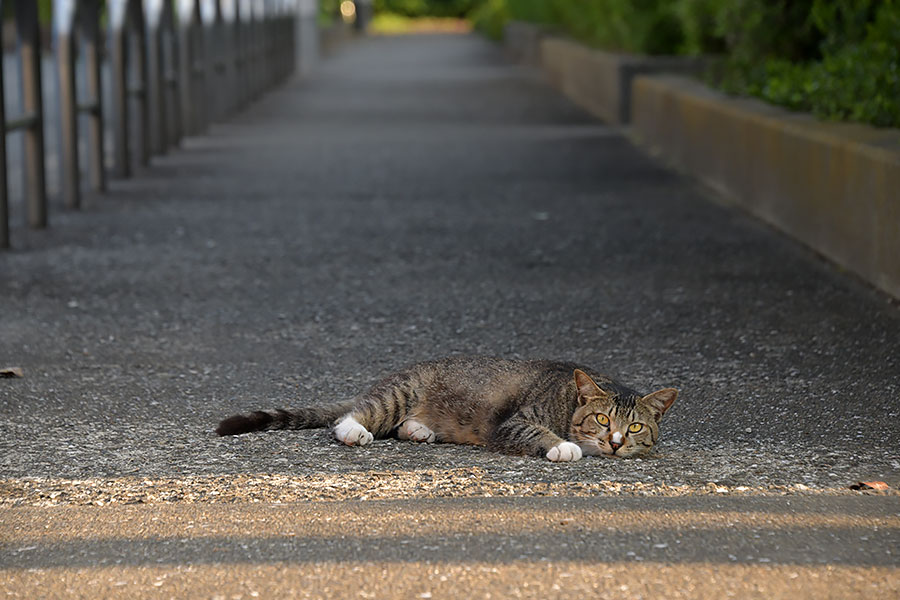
310, 417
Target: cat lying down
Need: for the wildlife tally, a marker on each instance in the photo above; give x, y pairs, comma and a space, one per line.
554, 409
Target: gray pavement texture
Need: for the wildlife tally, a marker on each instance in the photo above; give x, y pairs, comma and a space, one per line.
419, 197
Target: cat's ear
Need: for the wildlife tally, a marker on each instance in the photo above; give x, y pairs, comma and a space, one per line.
659, 401
587, 389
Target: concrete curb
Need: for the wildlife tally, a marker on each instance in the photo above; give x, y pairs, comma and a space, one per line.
598, 81
835, 187
522, 42
601, 82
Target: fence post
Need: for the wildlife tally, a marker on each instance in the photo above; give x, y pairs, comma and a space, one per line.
270, 24
265, 45
119, 77
275, 21
258, 67
33, 106
229, 40
307, 36
4, 189
242, 22
291, 32
125, 15
158, 17
214, 26
67, 14
363, 15
63, 31
285, 53
170, 73
89, 13
192, 70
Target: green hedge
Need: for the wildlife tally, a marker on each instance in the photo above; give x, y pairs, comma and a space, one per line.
427, 8
644, 26
839, 59
845, 66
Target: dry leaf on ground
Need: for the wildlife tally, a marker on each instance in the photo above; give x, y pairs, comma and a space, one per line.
870, 485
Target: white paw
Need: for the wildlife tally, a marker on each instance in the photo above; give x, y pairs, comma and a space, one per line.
415, 431
352, 433
564, 452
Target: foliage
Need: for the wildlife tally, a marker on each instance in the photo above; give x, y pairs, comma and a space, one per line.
393, 24
844, 65
649, 26
839, 59
426, 8
329, 12
490, 18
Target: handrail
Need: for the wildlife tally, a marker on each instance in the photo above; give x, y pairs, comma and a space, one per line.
175, 68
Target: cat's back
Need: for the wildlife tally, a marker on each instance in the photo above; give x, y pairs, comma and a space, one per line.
495, 380
464, 397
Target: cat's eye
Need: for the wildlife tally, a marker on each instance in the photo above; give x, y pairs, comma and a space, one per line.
635, 427
603, 420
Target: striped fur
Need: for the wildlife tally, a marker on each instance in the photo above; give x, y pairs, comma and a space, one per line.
299, 418
554, 409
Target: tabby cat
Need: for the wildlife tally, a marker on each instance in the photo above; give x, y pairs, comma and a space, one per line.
554, 409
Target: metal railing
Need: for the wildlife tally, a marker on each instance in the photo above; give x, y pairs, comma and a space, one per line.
173, 67
30, 121
82, 19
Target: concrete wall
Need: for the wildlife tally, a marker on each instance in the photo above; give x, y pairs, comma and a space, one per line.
598, 81
835, 187
589, 78
522, 42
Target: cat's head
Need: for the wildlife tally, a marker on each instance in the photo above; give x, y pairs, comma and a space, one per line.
617, 422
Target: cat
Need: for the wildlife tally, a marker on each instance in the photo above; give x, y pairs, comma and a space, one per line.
559, 410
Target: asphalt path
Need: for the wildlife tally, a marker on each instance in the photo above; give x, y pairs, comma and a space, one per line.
418, 197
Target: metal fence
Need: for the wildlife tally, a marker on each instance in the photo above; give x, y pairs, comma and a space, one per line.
173, 67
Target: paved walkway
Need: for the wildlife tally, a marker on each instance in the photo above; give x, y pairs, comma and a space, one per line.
420, 197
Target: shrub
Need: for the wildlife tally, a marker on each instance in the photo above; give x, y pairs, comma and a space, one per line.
646, 26
835, 58
426, 8
845, 65
490, 18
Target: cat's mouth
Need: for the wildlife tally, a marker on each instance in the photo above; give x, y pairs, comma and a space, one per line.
593, 448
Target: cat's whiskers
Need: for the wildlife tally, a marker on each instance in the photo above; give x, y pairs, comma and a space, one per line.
590, 446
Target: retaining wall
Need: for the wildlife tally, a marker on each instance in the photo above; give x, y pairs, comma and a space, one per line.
598, 81
601, 82
522, 42
835, 187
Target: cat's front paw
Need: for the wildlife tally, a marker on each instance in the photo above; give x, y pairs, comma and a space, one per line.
564, 452
415, 431
352, 433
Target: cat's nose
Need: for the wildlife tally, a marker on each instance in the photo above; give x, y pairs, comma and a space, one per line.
615, 441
